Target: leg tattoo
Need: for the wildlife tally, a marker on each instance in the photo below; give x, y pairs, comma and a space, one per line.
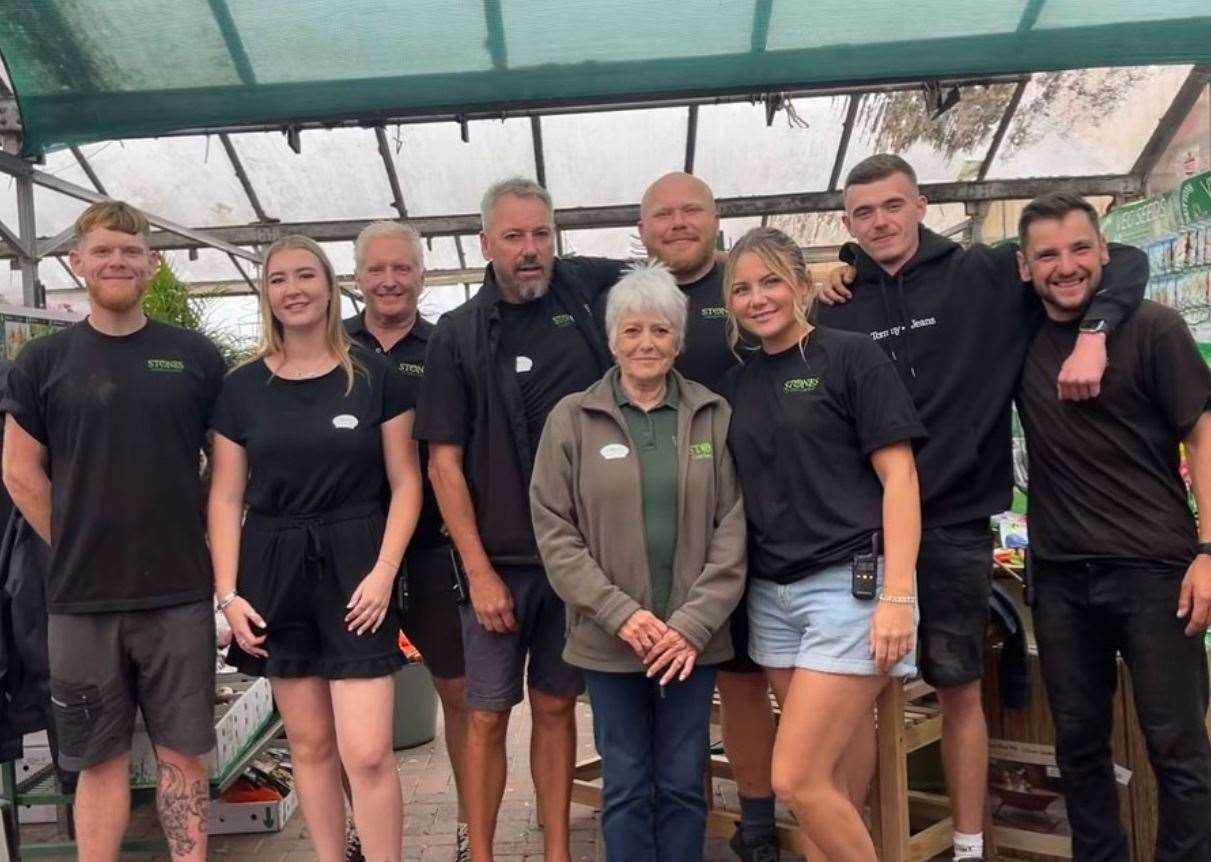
178, 803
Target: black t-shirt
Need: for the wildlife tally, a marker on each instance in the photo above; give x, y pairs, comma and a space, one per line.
311, 447
408, 356
803, 429
541, 345
1104, 480
706, 357
123, 420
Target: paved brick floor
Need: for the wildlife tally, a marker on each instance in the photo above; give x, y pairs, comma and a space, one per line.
430, 810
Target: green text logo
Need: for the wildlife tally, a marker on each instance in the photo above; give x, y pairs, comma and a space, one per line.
173, 366
563, 320
700, 451
714, 312
801, 384
412, 369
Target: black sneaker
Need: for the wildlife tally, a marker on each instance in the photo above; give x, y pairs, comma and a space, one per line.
764, 849
353, 844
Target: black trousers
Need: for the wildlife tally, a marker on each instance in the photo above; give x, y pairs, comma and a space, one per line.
1085, 613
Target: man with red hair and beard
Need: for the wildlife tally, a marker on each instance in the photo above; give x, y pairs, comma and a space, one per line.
102, 444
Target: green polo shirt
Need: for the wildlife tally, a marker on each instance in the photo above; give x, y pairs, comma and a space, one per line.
654, 433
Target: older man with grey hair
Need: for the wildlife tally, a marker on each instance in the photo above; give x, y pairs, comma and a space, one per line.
389, 257
494, 369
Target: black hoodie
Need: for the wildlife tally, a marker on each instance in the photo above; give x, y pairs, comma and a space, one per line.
957, 322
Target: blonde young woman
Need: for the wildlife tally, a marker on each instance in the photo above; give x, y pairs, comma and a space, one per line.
820, 434
306, 434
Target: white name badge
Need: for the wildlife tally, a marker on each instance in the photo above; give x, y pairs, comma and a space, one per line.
614, 451
345, 421
524, 363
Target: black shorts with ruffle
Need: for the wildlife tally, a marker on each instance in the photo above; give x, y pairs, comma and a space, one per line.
299, 572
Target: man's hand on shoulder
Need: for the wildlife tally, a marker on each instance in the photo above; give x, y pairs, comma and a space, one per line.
1195, 601
835, 288
1081, 374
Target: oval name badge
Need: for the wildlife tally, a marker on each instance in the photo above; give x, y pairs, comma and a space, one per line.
524, 363
345, 422
614, 451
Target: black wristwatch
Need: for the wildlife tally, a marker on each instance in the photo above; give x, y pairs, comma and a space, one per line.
1094, 326
1204, 548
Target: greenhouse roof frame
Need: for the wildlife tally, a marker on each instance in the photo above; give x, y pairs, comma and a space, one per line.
244, 241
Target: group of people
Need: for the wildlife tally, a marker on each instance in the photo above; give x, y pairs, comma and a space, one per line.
651, 480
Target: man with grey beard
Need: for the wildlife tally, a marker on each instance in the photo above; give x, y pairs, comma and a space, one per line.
495, 367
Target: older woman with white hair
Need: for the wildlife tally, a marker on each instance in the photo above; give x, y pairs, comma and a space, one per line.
641, 528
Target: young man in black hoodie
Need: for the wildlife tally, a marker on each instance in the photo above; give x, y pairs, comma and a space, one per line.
957, 322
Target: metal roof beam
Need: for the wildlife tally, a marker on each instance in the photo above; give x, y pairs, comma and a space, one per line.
384, 150
626, 215
540, 162
231, 37
88, 170
691, 138
22, 170
242, 176
1187, 95
14, 241
1002, 127
56, 242
495, 22
589, 106
760, 35
847, 130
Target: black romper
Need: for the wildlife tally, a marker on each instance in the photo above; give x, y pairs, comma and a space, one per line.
316, 485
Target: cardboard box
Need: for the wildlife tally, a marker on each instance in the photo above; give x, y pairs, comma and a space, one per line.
231, 818
236, 724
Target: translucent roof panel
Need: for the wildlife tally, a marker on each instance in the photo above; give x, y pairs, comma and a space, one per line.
1092, 121
739, 155
91, 70
945, 149
584, 151
337, 175
192, 182
440, 174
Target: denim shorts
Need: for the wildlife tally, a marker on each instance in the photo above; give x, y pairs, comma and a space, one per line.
815, 623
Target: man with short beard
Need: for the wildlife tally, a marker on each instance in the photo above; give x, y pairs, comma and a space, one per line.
1118, 563
115, 409
495, 367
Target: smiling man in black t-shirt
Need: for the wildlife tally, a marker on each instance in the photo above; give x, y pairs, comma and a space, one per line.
494, 369
102, 448
1118, 564
390, 270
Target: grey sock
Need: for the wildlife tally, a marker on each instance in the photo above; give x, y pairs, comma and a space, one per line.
757, 817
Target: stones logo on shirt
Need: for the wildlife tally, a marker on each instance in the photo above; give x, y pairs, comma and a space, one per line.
412, 369
562, 320
166, 366
800, 385
714, 312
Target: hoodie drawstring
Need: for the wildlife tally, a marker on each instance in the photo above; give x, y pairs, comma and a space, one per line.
903, 337
907, 332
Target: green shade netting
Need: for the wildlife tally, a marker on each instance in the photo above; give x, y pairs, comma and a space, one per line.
88, 70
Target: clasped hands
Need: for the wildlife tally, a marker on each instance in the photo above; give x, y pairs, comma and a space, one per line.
661, 648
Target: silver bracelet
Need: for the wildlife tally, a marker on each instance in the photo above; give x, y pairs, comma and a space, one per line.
227, 599
897, 600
